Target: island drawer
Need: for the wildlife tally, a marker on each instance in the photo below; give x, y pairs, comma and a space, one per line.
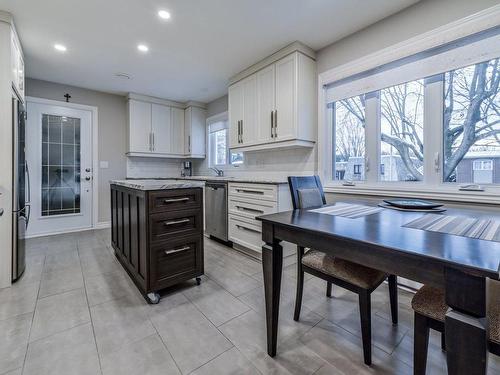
179, 199
165, 225
176, 258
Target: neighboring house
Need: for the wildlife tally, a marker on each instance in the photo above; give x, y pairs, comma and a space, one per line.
392, 168
479, 167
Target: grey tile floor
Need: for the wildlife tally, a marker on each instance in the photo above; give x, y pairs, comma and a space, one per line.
75, 311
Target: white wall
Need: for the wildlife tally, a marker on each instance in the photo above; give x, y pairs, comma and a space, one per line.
424, 16
112, 130
153, 168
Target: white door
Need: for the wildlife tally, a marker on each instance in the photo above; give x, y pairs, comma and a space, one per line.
59, 156
249, 124
140, 126
177, 136
286, 79
161, 127
265, 103
235, 113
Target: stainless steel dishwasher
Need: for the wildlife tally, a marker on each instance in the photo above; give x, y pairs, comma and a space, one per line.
216, 209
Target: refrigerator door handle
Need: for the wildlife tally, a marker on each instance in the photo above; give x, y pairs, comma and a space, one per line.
28, 181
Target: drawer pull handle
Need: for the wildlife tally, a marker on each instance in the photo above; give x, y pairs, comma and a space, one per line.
172, 200
249, 191
167, 223
173, 251
249, 209
248, 229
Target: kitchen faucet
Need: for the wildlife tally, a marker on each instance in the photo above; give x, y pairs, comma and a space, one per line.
219, 172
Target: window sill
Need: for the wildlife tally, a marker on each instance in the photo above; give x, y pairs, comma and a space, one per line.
491, 195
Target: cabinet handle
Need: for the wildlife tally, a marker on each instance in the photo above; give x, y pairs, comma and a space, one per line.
150, 143
241, 131
173, 251
272, 124
189, 143
153, 134
248, 229
249, 191
172, 200
173, 222
241, 208
276, 124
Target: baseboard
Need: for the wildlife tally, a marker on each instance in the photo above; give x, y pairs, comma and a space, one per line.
100, 225
103, 225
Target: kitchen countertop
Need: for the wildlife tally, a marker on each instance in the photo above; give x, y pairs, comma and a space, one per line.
157, 184
252, 180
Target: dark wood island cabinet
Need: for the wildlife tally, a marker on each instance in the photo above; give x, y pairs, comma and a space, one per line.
157, 232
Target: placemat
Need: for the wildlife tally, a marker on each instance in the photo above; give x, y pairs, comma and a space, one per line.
351, 211
484, 229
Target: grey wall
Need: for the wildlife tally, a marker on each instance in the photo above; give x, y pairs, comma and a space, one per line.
424, 16
217, 106
112, 130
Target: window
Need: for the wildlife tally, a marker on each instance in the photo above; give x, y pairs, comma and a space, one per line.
349, 122
430, 120
483, 165
401, 131
471, 120
218, 146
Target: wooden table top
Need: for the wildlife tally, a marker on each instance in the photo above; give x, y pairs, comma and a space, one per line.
385, 229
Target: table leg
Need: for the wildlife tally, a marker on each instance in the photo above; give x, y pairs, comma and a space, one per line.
466, 324
272, 264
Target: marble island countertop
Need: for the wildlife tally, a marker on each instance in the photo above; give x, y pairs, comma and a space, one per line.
157, 184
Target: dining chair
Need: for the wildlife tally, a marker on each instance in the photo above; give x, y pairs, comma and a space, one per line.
430, 310
307, 192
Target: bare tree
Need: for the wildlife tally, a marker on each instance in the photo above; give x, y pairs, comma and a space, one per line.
471, 115
349, 134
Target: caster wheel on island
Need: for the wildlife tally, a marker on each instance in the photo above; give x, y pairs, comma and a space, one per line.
198, 280
153, 298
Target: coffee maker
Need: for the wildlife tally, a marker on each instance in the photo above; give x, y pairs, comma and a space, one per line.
187, 169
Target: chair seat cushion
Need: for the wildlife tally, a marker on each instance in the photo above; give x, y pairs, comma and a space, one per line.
430, 302
353, 273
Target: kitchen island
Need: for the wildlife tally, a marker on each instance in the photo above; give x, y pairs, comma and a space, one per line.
157, 232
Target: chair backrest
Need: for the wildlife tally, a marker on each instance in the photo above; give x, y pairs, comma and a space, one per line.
306, 191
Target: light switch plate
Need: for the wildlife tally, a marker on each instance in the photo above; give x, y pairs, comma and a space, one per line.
103, 164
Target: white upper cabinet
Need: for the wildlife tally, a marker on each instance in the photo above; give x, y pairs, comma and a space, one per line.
156, 129
161, 129
195, 132
273, 104
177, 136
139, 127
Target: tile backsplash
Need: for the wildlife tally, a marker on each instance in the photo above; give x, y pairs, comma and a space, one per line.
153, 167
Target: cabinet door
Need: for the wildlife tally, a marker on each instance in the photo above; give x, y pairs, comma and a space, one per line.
235, 113
249, 124
177, 137
286, 78
265, 103
161, 127
196, 130
139, 126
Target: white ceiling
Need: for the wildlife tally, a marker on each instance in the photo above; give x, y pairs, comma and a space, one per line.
192, 55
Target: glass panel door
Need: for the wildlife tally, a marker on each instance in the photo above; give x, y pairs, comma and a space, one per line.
60, 165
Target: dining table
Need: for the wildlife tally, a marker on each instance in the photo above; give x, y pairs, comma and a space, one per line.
462, 266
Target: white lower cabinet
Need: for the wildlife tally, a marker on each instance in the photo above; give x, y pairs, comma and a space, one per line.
246, 202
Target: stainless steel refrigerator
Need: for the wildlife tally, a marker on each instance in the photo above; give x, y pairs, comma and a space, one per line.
20, 191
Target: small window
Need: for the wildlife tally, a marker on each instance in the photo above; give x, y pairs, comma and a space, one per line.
357, 168
218, 145
482, 165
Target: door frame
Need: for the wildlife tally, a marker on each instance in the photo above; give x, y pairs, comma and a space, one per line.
95, 150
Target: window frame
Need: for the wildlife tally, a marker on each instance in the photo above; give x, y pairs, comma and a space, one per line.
432, 185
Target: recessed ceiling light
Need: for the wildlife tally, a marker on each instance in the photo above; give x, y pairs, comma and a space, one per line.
60, 47
143, 48
164, 14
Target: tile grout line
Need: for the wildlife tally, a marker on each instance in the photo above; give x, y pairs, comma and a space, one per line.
164, 344
90, 313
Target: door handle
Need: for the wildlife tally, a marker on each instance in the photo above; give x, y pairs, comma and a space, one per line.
173, 251
174, 222
276, 124
272, 124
